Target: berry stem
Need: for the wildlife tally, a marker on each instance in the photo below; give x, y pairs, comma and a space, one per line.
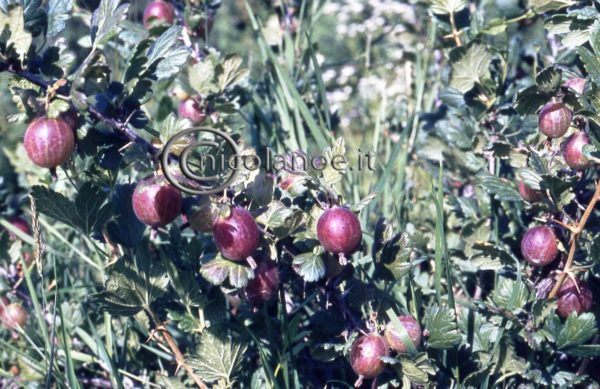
573, 244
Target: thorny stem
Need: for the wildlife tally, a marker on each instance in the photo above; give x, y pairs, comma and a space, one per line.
576, 231
120, 126
455, 32
181, 362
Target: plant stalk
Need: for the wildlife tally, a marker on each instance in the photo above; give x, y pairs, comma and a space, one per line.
573, 244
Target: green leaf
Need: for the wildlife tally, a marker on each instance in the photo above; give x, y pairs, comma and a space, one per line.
440, 322
168, 53
446, 7
59, 11
217, 358
471, 68
56, 107
590, 62
504, 291
54, 205
219, 269
541, 6
577, 330
549, 79
231, 72
133, 284
584, 351
333, 174
202, 76
106, 20
20, 39
91, 206
418, 369
309, 266
185, 286
501, 188
125, 228
529, 100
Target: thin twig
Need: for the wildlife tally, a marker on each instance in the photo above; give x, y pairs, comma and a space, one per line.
573, 244
176, 351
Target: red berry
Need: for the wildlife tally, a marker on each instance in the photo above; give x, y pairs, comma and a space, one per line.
412, 328
572, 151
155, 202
570, 300
158, 12
338, 230
191, 109
264, 284
13, 316
528, 194
577, 84
21, 224
366, 353
555, 119
539, 246
49, 142
236, 236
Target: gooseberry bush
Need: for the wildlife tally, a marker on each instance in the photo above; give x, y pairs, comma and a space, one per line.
457, 245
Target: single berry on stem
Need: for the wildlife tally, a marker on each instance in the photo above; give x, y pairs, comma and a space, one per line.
573, 298
539, 246
572, 151
555, 119
13, 316
236, 235
339, 231
192, 110
49, 142
528, 194
265, 282
365, 356
158, 11
413, 329
156, 202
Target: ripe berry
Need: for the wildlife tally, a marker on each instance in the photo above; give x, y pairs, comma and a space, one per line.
528, 194
49, 142
577, 84
539, 246
21, 224
13, 316
264, 284
366, 353
555, 119
338, 230
236, 236
572, 151
191, 109
570, 300
158, 12
155, 202
394, 339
